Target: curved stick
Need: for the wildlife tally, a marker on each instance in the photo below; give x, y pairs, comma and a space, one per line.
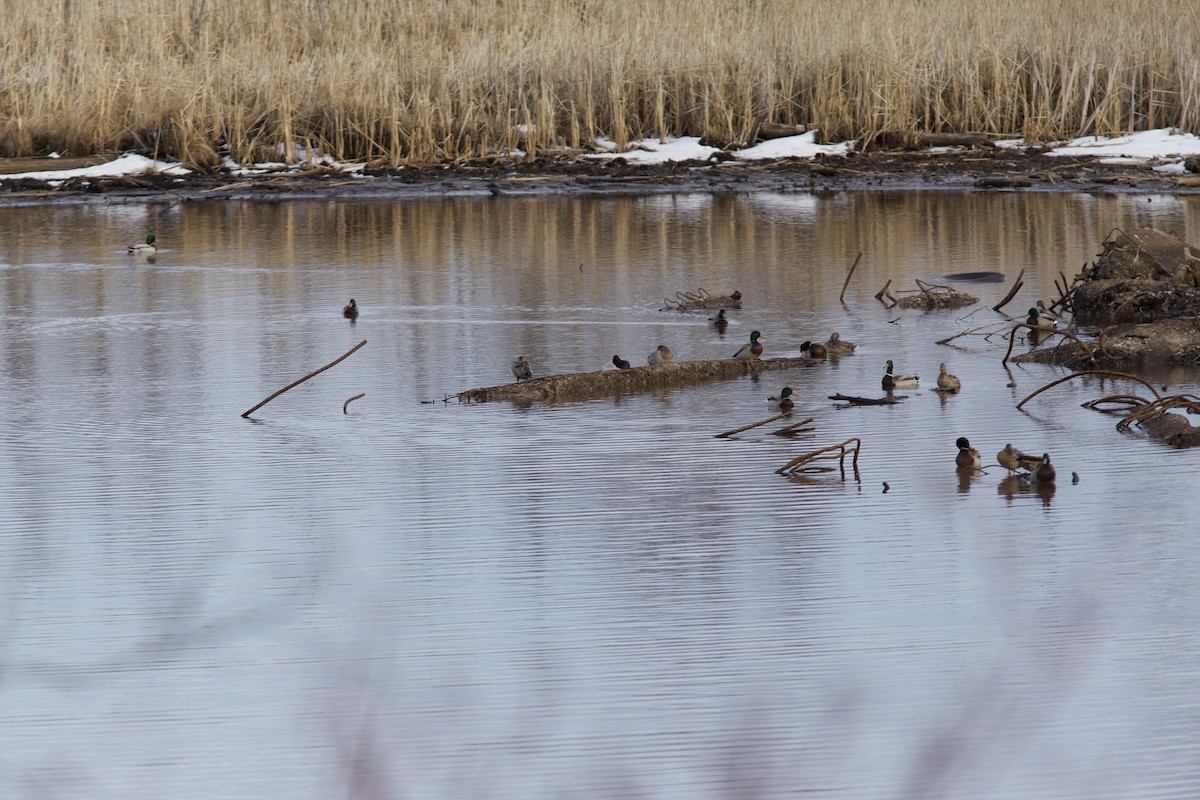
350, 400
1012, 339
1104, 372
306, 377
1017, 284
842, 296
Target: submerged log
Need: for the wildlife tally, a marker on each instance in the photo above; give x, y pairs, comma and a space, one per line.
586, 385
702, 300
1171, 429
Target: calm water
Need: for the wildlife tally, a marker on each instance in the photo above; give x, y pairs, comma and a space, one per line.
422, 599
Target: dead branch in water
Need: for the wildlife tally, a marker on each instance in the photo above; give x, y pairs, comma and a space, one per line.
794, 428
1187, 402
752, 425
833, 451
854, 266
1038, 330
315, 372
882, 293
350, 400
1123, 400
949, 339
1017, 284
701, 299
609, 382
1103, 372
866, 401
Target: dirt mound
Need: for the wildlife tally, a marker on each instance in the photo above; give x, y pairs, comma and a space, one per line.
1140, 276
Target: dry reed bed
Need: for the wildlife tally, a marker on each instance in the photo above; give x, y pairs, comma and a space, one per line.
586, 385
406, 82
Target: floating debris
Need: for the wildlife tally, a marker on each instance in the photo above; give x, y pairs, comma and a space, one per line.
805, 462
701, 300
932, 295
604, 383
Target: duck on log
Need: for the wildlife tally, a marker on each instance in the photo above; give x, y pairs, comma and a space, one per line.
576, 386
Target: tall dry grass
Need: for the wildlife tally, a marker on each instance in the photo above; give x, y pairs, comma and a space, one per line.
409, 81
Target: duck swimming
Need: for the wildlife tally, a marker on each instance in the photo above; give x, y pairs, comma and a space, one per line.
751, 351
814, 350
661, 355
350, 311
839, 346
891, 381
968, 457
621, 363
720, 321
521, 369
146, 248
947, 382
783, 403
1044, 471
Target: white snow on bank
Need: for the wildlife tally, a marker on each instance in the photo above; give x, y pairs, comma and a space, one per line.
128, 164
1166, 144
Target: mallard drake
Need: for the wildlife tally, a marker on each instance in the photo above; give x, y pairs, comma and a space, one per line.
891, 381
661, 355
783, 403
1041, 318
1044, 471
521, 369
146, 248
350, 311
751, 351
720, 320
947, 382
839, 346
621, 363
814, 350
968, 457
1013, 459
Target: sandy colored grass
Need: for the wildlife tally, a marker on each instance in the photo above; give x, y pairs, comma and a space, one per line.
402, 81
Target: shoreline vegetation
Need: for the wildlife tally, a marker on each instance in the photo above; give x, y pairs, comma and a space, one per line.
452, 82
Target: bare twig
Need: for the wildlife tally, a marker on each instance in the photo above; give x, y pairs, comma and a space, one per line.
1104, 372
849, 446
949, 339
350, 400
751, 425
293, 384
882, 292
1012, 339
1016, 287
842, 296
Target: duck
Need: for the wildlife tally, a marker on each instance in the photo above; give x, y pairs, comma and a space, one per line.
968, 457
1040, 318
891, 381
661, 355
1013, 459
947, 382
783, 403
521, 369
751, 351
146, 248
1044, 471
350, 311
839, 346
621, 363
720, 321
814, 350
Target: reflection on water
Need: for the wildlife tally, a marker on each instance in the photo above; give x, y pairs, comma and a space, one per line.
418, 598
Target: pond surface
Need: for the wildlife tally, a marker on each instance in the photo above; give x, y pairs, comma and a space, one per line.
424, 599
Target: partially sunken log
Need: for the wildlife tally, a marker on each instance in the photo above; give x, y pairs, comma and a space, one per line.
1172, 429
702, 300
586, 385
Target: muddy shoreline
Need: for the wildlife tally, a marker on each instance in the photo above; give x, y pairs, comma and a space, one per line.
962, 170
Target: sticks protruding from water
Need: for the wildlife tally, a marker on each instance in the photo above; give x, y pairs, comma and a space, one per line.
350, 400
1105, 372
1016, 287
751, 425
833, 451
293, 384
854, 266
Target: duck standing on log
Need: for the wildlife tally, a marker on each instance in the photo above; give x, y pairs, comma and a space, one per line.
839, 346
621, 363
661, 355
753, 350
814, 350
521, 369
